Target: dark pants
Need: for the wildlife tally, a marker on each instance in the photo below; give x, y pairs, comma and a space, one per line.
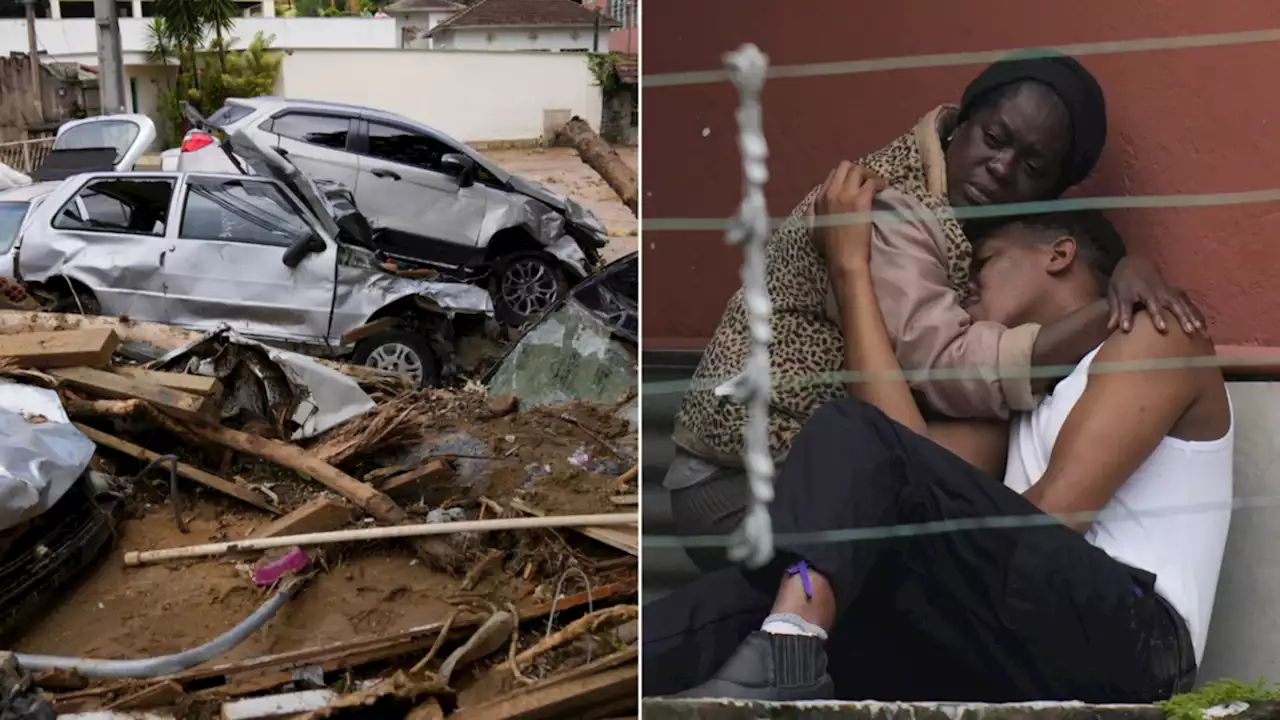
714, 506
996, 614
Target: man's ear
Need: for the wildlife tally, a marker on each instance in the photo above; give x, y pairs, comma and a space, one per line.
1062, 255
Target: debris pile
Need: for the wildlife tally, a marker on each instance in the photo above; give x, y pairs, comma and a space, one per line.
269, 535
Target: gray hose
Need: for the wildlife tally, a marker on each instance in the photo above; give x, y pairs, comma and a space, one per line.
165, 664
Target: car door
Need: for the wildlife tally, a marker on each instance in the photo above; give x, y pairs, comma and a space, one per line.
315, 143
227, 262
107, 232
404, 189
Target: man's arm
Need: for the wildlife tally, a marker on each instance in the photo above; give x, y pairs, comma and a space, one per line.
1119, 420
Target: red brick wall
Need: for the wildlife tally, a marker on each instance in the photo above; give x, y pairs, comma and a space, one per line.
1202, 120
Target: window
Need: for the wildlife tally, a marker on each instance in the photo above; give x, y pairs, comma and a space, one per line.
138, 207
228, 114
620, 10
115, 134
407, 147
323, 130
11, 215
246, 211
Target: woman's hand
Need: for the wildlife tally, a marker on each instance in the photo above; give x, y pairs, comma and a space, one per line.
849, 189
1138, 282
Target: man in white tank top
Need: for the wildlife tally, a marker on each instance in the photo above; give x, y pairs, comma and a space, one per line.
1089, 585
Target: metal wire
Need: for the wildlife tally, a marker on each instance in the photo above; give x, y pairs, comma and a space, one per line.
753, 541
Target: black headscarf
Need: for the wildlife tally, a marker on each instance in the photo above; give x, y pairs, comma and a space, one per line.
1079, 91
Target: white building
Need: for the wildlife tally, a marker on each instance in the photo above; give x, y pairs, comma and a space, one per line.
545, 25
415, 19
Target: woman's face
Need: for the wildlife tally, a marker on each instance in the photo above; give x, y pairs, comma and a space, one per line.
1011, 150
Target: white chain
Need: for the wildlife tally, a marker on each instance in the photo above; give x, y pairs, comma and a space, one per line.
752, 543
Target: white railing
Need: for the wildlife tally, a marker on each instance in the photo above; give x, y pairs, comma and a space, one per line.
25, 155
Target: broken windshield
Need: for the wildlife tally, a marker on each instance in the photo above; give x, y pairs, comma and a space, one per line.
115, 134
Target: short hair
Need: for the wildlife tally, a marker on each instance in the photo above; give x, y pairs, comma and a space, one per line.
1098, 242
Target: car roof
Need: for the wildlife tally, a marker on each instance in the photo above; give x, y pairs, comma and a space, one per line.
27, 193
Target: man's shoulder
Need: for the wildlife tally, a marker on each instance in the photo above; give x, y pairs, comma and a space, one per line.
1145, 342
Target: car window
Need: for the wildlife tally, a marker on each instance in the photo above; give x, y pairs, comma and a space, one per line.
139, 207
247, 211
115, 134
323, 130
11, 215
229, 113
406, 147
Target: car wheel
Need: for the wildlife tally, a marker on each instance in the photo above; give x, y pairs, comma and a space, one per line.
402, 352
526, 285
76, 303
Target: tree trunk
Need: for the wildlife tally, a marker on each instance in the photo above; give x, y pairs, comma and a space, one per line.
599, 156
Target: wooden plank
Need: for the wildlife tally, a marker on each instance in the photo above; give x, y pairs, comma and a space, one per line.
209, 480
559, 697
161, 694
367, 329
71, 348
109, 385
195, 384
410, 486
632, 499
319, 514
625, 540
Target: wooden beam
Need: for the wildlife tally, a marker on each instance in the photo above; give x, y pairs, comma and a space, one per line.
571, 695
119, 387
44, 350
209, 480
195, 384
367, 329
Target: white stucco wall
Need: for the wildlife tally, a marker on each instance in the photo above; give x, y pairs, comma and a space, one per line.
473, 96
73, 40
412, 28
543, 38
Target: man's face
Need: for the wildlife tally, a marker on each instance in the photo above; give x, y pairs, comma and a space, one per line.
1009, 275
1011, 151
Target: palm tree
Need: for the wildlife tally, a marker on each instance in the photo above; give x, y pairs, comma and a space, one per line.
190, 20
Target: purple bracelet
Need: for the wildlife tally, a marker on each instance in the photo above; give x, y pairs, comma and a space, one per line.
802, 569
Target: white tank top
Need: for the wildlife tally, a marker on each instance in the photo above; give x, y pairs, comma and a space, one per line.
1169, 518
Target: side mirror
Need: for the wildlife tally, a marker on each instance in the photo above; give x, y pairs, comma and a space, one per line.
302, 247
461, 166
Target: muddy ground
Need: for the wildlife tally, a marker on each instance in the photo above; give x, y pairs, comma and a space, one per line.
552, 463
562, 171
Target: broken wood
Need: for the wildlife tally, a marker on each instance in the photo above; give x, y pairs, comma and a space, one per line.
492, 557
319, 514
261, 674
627, 477
209, 480
160, 694
120, 387
625, 540
378, 533
632, 499
367, 329
43, 350
434, 551
278, 706
195, 384
602, 158
588, 688
575, 629
411, 486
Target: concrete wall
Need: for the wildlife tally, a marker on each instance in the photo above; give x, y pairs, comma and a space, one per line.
473, 96
61, 99
1182, 121
73, 39
412, 28
543, 38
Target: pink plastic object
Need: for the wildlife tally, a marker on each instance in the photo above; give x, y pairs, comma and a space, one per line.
268, 574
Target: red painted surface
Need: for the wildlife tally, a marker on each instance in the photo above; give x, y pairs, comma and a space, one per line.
1201, 120
621, 40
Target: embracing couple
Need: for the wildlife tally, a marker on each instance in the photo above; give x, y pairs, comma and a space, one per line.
1103, 591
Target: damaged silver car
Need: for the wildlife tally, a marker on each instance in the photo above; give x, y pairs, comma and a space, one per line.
431, 199
263, 253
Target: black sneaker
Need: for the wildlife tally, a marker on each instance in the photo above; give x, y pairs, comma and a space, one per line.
768, 667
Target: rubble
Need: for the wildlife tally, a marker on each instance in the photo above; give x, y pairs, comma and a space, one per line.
256, 447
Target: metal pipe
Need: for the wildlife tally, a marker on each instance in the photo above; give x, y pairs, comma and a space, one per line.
166, 664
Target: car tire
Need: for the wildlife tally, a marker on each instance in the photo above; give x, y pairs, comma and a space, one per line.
76, 303
400, 351
525, 285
